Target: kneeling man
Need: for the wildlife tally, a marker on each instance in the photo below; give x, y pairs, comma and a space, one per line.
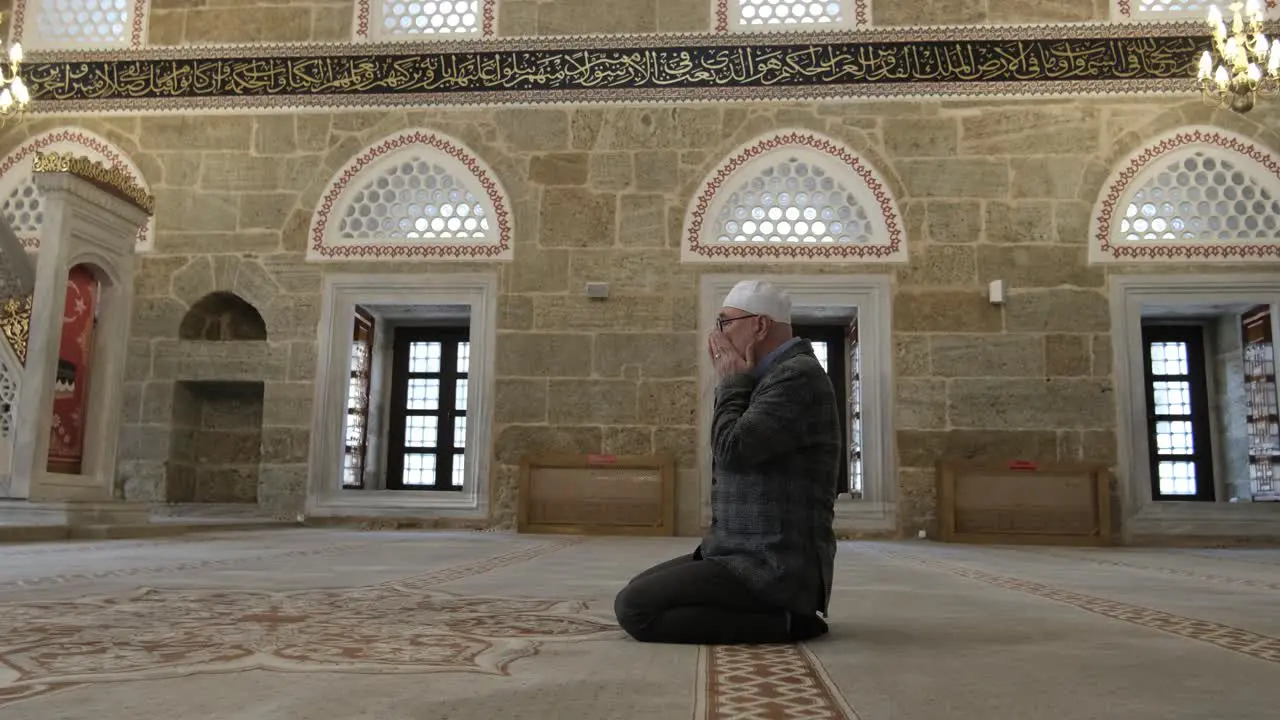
763, 572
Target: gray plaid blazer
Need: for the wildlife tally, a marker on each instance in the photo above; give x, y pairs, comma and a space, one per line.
776, 446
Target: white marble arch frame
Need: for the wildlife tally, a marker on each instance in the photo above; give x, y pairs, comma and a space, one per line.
341, 293
853, 170
1128, 176
25, 17
325, 245
79, 141
872, 296
83, 235
1142, 515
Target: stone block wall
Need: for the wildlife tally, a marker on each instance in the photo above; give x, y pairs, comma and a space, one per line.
215, 455
989, 190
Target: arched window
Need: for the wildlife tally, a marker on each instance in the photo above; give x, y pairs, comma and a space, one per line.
777, 15
382, 20
22, 203
1195, 193
794, 196
80, 25
415, 195
1171, 10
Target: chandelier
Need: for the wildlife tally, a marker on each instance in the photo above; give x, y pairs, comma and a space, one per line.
1242, 65
13, 92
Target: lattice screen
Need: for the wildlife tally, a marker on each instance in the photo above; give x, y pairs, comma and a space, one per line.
77, 23
789, 12
1199, 196
1263, 417
1169, 9
8, 398
793, 201
356, 434
23, 208
415, 199
430, 18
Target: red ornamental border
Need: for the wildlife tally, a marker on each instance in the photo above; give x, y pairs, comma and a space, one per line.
140, 12
420, 250
30, 147
1126, 8
488, 15
861, 14
713, 186
1215, 251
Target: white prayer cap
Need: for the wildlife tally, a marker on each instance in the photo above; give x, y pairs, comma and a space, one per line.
760, 297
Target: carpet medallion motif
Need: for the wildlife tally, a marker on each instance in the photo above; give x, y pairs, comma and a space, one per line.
156, 633
401, 626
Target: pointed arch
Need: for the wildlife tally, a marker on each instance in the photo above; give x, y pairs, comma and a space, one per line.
1200, 193
794, 195
416, 195
21, 201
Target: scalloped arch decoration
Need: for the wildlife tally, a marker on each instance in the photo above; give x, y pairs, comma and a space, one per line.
1198, 193
415, 195
794, 196
20, 200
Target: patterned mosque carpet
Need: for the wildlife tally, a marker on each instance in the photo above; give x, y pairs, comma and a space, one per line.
300, 624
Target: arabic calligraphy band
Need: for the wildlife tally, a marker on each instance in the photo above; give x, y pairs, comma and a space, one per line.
817, 65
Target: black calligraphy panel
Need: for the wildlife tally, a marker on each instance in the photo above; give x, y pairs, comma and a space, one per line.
595, 69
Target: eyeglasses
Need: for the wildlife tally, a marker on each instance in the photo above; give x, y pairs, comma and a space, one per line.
722, 321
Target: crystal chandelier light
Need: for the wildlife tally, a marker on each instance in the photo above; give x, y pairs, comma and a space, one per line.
13, 92
1243, 63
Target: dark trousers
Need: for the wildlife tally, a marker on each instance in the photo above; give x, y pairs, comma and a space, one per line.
700, 602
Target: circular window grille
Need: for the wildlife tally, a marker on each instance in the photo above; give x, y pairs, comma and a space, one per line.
23, 208
793, 202
1201, 197
413, 200
442, 16
83, 21
789, 12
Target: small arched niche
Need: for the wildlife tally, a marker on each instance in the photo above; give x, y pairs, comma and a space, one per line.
222, 316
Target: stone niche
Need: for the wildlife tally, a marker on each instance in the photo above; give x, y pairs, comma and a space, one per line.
215, 446
215, 452
222, 316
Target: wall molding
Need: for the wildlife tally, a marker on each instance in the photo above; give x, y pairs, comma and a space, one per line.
1105, 243
328, 243
1143, 516
325, 495
937, 62
855, 174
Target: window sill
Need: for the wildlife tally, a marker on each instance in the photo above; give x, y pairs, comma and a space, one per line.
398, 503
863, 515
1172, 518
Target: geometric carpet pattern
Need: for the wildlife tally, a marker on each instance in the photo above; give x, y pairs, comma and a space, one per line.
267, 625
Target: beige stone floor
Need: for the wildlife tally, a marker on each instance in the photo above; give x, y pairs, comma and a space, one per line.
298, 624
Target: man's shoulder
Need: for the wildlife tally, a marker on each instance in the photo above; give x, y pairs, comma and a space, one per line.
796, 365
